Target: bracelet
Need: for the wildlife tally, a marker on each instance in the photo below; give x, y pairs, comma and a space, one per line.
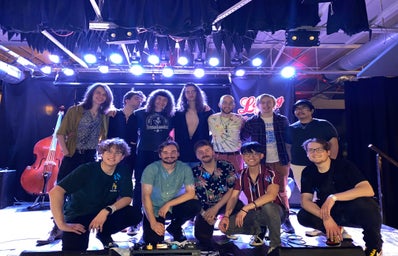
255, 205
243, 210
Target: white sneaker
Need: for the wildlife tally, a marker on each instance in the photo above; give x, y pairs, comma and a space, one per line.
256, 241
345, 235
314, 232
232, 237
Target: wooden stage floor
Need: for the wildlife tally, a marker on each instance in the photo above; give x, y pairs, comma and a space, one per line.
20, 228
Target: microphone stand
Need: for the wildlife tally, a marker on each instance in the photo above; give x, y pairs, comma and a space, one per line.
379, 155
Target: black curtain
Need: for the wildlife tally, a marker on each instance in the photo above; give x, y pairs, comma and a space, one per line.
372, 111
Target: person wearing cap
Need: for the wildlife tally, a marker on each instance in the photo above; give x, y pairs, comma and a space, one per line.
305, 128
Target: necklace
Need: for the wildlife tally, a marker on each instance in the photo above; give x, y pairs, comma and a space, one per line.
226, 124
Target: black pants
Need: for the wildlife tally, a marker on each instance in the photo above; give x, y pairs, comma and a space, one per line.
128, 216
363, 212
181, 213
204, 231
68, 164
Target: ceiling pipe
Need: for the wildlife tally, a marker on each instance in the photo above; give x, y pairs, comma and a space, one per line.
362, 56
10, 74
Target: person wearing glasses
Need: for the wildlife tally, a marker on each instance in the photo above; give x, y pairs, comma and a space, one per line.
343, 198
99, 197
264, 209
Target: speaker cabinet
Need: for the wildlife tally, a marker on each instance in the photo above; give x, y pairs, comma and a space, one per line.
7, 187
321, 251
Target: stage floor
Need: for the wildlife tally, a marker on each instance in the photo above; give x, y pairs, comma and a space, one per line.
20, 228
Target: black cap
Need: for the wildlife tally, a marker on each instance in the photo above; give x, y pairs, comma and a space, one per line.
303, 102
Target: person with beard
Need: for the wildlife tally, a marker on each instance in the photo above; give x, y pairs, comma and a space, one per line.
168, 192
214, 180
225, 128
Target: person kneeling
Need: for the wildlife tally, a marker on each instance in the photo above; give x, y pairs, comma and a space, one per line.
264, 208
99, 196
344, 198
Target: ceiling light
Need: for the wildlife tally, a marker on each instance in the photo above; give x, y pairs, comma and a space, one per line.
46, 70
240, 72
182, 60
168, 72
68, 71
288, 72
103, 69
302, 38
54, 58
153, 59
256, 62
116, 58
199, 72
136, 70
90, 58
213, 61
101, 25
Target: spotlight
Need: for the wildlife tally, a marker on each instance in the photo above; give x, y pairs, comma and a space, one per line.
46, 70
240, 72
256, 62
68, 71
103, 69
213, 61
116, 58
182, 60
136, 70
168, 72
54, 58
288, 72
153, 59
122, 36
199, 72
302, 38
90, 58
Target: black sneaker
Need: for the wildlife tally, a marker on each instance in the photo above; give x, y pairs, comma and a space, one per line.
106, 241
287, 227
55, 234
176, 232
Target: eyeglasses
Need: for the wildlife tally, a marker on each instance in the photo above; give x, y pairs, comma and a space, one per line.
249, 154
116, 153
317, 150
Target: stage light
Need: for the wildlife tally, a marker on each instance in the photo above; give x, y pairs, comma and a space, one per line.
46, 70
288, 72
90, 58
199, 72
302, 38
168, 72
68, 71
256, 62
153, 59
240, 72
213, 61
103, 69
54, 58
236, 61
116, 58
136, 70
182, 60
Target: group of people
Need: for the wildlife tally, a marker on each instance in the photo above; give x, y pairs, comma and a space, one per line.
192, 163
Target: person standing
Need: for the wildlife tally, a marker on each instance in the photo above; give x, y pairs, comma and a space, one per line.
99, 199
225, 128
154, 123
269, 129
168, 192
343, 198
305, 128
214, 180
264, 209
81, 128
123, 124
190, 121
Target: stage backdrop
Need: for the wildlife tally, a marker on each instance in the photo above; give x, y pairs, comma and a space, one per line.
372, 111
29, 110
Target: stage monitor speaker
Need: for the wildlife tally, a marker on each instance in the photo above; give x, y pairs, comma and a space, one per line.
321, 251
61, 253
7, 187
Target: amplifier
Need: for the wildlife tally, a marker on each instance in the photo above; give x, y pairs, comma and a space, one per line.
7, 187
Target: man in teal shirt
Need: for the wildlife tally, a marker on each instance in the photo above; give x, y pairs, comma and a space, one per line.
168, 192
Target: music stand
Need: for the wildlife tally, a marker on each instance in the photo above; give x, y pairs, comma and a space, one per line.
39, 203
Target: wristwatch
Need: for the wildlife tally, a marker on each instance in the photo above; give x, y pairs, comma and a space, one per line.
109, 209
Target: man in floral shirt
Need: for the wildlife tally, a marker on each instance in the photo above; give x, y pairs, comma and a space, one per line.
214, 180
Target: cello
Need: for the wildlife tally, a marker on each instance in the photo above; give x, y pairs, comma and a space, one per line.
40, 178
